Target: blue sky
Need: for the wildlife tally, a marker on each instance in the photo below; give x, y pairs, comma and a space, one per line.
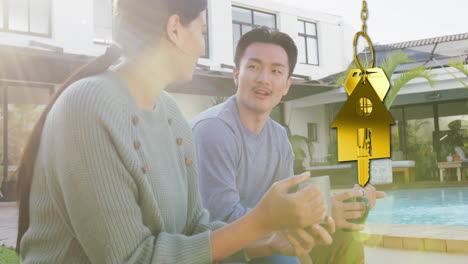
393, 21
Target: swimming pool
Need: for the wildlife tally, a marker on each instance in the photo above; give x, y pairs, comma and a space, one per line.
444, 206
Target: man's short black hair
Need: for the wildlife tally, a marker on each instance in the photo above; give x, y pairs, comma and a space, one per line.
267, 35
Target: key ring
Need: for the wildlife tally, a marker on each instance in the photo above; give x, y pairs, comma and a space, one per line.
371, 48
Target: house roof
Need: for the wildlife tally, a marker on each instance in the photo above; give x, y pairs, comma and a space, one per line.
220, 83
32, 74
427, 41
430, 53
23, 68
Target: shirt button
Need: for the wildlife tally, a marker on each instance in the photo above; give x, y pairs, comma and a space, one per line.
169, 121
135, 120
137, 145
179, 141
144, 169
188, 161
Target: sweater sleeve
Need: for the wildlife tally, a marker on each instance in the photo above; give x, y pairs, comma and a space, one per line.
201, 218
101, 196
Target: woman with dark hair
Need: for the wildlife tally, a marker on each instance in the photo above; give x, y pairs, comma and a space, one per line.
108, 174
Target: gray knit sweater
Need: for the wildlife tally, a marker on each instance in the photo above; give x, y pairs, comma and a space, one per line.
114, 183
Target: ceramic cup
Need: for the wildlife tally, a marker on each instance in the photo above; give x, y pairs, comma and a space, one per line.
323, 183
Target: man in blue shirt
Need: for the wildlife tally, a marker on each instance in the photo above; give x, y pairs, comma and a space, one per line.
241, 150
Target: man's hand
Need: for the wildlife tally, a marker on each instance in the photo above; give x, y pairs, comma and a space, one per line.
342, 211
371, 193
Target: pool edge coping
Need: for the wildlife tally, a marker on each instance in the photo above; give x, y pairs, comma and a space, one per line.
437, 238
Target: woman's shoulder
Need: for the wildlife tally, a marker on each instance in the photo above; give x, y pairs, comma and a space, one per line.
94, 94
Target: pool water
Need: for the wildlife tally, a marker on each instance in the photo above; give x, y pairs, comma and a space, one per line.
444, 206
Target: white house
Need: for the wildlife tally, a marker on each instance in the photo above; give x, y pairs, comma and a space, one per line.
67, 28
42, 41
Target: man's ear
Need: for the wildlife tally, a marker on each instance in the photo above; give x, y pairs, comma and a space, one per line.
173, 30
235, 73
288, 85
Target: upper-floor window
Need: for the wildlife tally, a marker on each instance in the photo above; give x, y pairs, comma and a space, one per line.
244, 20
308, 43
31, 17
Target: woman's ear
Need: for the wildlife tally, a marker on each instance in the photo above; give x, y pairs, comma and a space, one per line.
173, 28
236, 76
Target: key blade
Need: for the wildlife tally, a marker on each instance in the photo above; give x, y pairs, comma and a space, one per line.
363, 171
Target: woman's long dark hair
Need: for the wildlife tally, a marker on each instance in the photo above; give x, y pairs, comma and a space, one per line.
138, 23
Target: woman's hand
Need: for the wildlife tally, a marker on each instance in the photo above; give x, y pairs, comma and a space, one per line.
280, 210
299, 242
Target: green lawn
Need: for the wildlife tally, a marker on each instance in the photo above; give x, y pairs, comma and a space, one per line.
8, 256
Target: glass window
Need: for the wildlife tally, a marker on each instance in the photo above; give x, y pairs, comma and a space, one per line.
308, 43
300, 27
246, 29
419, 139
242, 15
263, 19
396, 132
26, 16
236, 34
453, 126
312, 48
312, 131
302, 50
39, 15
242, 22
1, 13
18, 15
453, 108
311, 29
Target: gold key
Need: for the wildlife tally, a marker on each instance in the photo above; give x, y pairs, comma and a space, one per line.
363, 145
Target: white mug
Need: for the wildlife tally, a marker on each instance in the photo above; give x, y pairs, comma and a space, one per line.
323, 183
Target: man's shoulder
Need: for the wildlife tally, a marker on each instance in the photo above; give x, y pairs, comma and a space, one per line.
218, 117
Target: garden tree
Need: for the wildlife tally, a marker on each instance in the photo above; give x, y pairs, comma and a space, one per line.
462, 67
459, 65
21, 120
303, 151
419, 147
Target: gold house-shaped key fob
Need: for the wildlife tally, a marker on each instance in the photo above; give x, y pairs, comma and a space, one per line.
363, 121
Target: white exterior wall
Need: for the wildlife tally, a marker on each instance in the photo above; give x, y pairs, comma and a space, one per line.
299, 117
72, 29
333, 35
191, 105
